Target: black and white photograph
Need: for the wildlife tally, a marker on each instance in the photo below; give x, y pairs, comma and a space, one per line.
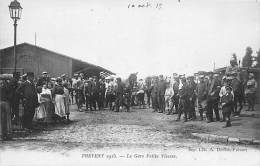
129, 82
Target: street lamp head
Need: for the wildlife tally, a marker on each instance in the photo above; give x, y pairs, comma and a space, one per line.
15, 10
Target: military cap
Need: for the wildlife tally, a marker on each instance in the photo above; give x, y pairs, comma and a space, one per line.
45, 72
63, 75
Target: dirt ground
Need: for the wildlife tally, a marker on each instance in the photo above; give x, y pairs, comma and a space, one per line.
142, 134
108, 129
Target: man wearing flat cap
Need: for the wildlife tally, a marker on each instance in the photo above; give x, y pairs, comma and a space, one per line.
28, 93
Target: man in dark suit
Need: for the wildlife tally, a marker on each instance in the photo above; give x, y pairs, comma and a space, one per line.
213, 99
120, 95
184, 100
28, 93
161, 92
14, 99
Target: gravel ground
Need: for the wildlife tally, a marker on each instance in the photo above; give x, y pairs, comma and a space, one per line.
106, 129
140, 134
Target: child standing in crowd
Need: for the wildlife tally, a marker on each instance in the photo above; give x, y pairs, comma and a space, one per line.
169, 93
227, 105
40, 112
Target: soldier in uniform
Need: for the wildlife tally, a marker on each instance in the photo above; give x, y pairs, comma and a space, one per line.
184, 100
233, 68
237, 87
14, 96
213, 99
192, 98
79, 93
73, 87
161, 93
87, 91
95, 93
154, 94
119, 95
27, 91
250, 92
148, 90
176, 94
201, 93
110, 96
102, 90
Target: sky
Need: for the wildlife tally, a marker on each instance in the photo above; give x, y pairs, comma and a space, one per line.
183, 37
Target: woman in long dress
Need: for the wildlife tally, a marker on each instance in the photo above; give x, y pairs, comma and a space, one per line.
47, 101
40, 112
58, 94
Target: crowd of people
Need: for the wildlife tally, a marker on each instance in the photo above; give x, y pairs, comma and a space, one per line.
48, 100
204, 93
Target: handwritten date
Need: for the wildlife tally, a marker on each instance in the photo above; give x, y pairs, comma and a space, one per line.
145, 5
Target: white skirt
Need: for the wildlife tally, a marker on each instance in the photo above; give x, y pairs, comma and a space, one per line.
60, 108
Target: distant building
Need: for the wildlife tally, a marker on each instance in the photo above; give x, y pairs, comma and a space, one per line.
31, 58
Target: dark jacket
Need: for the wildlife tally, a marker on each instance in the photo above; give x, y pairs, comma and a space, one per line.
184, 91
161, 88
28, 93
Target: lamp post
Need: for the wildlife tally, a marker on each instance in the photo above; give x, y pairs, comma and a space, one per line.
15, 10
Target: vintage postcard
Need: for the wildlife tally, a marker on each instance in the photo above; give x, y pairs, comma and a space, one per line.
129, 82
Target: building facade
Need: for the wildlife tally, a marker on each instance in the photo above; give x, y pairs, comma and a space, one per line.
31, 58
